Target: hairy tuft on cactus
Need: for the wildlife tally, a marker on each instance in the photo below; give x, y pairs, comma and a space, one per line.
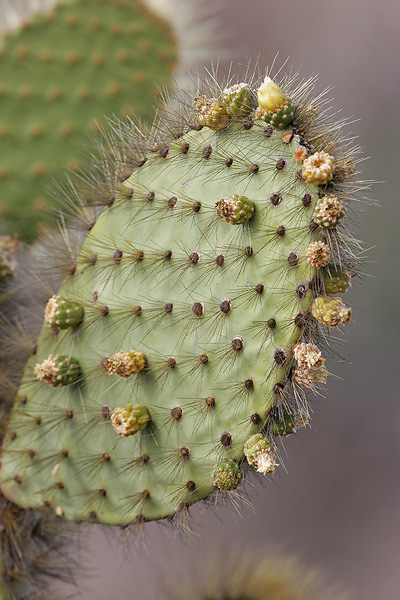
195, 300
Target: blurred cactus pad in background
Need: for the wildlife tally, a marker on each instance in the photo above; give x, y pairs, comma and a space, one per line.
194, 318
61, 71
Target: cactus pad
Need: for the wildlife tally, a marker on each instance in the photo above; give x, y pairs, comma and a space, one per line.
205, 262
61, 72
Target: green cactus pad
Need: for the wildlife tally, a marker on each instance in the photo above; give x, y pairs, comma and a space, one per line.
61, 313
60, 73
212, 307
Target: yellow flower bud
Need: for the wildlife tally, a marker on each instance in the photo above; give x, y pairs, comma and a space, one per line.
270, 96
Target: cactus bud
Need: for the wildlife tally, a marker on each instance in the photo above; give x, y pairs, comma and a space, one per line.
330, 311
287, 423
310, 365
238, 99
259, 454
62, 313
275, 107
58, 370
227, 475
125, 363
318, 254
235, 209
130, 419
336, 281
211, 113
329, 212
318, 168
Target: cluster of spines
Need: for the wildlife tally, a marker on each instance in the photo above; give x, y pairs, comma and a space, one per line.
318, 256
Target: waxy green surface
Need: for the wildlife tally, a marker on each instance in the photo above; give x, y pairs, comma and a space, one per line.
78, 465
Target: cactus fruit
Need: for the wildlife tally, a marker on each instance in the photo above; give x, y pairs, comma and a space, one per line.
61, 313
238, 99
318, 254
259, 453
195, 338
61, 71
235, 209
330, 311
336, 281
130, 419
58, 370
125, 363
227, 475
287, 423
329, 212
211, 113
318, 168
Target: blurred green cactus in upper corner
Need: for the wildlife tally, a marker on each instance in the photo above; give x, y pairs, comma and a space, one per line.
61, 71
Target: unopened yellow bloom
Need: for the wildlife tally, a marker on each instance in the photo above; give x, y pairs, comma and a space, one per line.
270, 96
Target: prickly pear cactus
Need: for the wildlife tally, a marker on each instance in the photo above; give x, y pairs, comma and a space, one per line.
61, 72
196, 312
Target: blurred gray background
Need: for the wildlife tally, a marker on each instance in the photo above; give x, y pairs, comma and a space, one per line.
338, 505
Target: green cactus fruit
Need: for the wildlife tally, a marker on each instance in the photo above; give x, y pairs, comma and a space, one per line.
61, 72
336, 280
329, 212
279, 119
58, 370
260, 454
235, 209
218, 311
61, 313
330, 311
227, 475
211, 113
287, 423
125, 363
238, 100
